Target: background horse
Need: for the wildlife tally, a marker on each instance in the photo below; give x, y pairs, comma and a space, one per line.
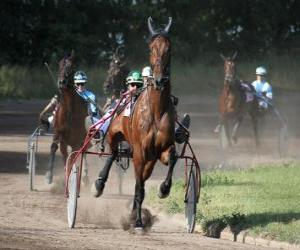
116, 75
150, 129
234, 102
69, 118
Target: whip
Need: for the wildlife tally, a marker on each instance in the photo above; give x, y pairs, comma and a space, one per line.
50, 72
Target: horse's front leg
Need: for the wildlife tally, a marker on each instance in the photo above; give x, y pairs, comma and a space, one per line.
139, 196
168, 157
139, 193
63, 147
53, 149
85, 175
225, 123
236, 127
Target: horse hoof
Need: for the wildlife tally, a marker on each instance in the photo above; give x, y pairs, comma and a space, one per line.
138, 227
217, 129
49, 177
139, 230
164, 190
97, 188
234, 139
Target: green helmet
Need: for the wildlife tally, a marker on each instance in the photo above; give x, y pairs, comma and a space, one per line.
134, 77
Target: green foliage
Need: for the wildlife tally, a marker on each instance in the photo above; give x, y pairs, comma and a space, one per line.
264, 200
20, 82
215, 178
35, 82
45, 29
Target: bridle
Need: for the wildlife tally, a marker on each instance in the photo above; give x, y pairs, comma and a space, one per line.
229, 68
165, 77
230, 72
66, 74
163, 60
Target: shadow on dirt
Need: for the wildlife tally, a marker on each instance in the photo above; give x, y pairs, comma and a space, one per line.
15, 162
238, 222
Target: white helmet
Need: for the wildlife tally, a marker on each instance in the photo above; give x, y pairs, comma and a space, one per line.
261, 71
146, 71
80, 77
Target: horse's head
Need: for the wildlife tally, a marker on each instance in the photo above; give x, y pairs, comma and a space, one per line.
66, 71
160, 53
229, 68
116, 74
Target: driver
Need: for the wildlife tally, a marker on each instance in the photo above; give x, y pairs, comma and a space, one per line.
263, 89
134, 82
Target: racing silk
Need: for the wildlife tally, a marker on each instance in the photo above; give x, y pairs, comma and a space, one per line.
262, 87
90, 98
248, 91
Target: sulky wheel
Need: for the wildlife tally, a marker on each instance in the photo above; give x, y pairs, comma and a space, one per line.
73, 195
191, 201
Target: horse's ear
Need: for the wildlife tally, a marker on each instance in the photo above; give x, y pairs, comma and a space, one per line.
168, 25
234, 55
223, 57
152, 32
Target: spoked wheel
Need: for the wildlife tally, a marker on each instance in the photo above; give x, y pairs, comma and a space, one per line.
191, 201
73, 195
223, 139
283, 143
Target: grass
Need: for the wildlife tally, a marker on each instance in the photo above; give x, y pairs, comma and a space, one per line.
264, 200
189, 78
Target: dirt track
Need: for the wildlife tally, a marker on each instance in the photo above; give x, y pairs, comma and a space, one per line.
37, 220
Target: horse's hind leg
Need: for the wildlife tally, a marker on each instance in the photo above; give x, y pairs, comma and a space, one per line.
99, 185
225, 123
171, 160
254, 119
236, 128
53, 149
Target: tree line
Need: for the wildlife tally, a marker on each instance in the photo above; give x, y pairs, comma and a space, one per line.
35, 31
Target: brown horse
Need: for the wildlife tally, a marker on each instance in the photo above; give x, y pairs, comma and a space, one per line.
150, 129
233, 103
69, 119
116, 75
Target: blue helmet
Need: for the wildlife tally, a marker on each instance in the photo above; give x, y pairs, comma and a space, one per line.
80, 77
